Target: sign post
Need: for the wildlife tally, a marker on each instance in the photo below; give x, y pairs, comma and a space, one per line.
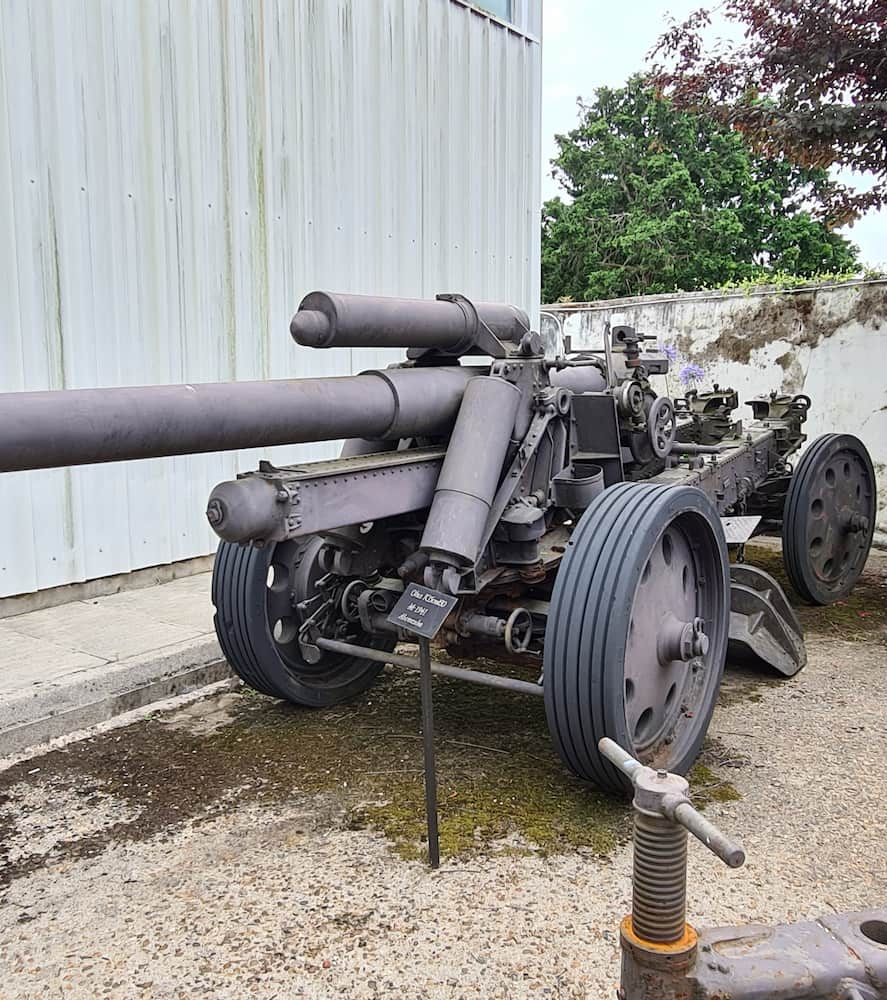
423, 611
428, 745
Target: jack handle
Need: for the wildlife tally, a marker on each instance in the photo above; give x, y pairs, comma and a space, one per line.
675, 807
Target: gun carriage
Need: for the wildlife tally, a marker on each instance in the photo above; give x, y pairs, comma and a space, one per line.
578, 516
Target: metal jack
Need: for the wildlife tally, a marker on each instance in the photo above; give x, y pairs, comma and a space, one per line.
837, 957
658, 945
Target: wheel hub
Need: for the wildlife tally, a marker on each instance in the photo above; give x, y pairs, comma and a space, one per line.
836, 525
857, 523
667, 640
681, 640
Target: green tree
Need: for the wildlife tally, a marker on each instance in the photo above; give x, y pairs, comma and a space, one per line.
663, 200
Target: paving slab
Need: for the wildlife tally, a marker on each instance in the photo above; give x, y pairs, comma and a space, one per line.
108, 633
26, 661
184, 603
78, 664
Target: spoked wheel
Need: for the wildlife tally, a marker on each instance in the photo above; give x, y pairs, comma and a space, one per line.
829, 518
637, 630
254, 592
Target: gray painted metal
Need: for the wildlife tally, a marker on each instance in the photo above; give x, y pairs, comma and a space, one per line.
365, 446
45, 429
452, 325
763, 625
739, 528
841, 955
471, 470
174, 177
579, 378
443, 669
279, 504
577, 487
665, 794
722, 474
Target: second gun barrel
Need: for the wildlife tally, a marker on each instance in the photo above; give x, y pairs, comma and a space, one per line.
332, 319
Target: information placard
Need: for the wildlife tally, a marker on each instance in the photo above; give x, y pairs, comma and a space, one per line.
421, 611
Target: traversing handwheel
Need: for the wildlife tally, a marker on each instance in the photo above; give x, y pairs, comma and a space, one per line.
662, 427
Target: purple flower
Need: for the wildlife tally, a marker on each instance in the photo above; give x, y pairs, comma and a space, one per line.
670, 351
690, 374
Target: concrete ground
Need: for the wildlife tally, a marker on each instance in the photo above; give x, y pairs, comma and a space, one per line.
66, 667
232, 847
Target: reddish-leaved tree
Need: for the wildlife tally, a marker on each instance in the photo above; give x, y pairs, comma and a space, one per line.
808, 80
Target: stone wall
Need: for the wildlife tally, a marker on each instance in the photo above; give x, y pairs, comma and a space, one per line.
828, 341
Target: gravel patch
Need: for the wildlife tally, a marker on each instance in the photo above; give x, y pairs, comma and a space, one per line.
282, 899
43, 815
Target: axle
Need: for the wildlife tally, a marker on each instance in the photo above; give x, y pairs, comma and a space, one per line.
443, 669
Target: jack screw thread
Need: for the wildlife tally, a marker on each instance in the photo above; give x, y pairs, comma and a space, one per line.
659, 885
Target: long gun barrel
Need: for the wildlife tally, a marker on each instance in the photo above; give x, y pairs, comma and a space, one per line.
42, 430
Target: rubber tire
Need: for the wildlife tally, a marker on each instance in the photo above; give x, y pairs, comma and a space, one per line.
241, 623
794, 526
584, 643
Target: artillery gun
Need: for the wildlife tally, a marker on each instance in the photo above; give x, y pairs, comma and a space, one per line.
577, 517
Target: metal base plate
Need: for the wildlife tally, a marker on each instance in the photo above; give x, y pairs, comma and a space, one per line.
763, 625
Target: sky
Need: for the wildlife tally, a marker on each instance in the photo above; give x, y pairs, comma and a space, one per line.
588, 44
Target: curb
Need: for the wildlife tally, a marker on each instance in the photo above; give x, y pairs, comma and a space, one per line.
45, 711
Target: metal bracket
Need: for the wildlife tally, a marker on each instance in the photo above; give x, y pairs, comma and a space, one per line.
319, 496
518, 467
479, 340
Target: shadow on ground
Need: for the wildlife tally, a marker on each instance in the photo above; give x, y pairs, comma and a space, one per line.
501, 786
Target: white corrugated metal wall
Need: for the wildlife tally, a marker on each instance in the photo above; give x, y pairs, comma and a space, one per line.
176, 174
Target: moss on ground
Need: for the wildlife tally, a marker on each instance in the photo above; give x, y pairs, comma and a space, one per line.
502, 788
710, 776
708, 785
498, 777
743, 683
